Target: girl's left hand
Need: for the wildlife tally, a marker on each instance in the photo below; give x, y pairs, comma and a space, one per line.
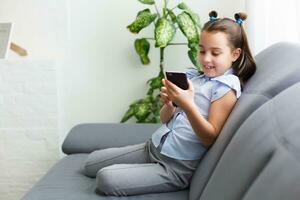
180, 97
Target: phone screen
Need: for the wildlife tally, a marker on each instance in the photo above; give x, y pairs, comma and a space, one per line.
179, 79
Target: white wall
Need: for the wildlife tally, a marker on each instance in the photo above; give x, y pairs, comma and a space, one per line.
28, 124
103, 75
29, 142
39, 26
99, 74
272, 21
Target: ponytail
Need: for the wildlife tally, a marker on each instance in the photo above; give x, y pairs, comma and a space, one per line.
244, 67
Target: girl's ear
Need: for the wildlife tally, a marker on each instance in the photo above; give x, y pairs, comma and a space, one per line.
236, 54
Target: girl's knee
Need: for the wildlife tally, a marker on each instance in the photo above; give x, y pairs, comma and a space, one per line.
106, 183
89, 167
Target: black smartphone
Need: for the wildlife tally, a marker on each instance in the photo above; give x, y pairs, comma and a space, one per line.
179, 79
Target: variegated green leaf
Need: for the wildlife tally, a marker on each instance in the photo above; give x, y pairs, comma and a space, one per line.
148, 99
143, 19
188, 27
158, 105
150, 91
136, 102
149, 2
142, 47
129, 113
156, 83
182, 6
193, 54
172, 15
142, 111
164, 32
151, 120
194, 16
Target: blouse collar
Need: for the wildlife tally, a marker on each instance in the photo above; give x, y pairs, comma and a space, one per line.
229, 71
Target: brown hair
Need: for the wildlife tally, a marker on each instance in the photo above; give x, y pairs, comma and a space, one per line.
244, 67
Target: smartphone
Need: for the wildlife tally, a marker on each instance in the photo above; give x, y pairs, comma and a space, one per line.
179, 79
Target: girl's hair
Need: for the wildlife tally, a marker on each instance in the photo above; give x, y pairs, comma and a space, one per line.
244, 67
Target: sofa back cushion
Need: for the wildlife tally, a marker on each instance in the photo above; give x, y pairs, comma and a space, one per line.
278, 67
86, 138
262, 160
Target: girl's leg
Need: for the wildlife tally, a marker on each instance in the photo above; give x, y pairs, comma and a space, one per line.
162, 174
135, 179
105, 157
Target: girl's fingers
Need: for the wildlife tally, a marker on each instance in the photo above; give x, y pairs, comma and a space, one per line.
163, 82
164, 98
169, 85
163, 89
163, 95
172, 88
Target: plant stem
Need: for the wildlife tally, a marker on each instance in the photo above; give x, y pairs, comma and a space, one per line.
164, 8
156, 9
161, 64
177, 44
173, 8
150, 38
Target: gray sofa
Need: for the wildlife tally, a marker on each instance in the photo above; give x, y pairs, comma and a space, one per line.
256, 156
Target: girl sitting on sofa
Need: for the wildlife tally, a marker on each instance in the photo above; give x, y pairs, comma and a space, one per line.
167, 160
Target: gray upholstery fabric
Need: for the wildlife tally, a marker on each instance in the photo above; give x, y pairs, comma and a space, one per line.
278, 67
65, 181
85, 138
262, 160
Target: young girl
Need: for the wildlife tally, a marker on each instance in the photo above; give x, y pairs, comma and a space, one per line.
167, 161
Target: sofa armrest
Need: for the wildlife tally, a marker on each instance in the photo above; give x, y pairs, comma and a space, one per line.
85, 138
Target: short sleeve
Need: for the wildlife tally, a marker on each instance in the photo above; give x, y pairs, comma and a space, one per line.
223, 84
191, 73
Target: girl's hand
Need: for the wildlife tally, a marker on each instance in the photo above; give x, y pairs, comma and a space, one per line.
164, 96
182, 98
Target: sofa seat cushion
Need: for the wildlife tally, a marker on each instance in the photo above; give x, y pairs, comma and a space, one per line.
66, 181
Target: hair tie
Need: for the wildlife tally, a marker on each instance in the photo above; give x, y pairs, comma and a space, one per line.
239, 21
212, 18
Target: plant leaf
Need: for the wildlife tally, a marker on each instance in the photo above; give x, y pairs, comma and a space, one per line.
143, 19
183, 6
188, 27
141, 111
149, 2
155, 83
194, 15
193, 54
151, 120
164, 32
129, 113
136, 102
172, 15
142, 47
148, 99
150, 91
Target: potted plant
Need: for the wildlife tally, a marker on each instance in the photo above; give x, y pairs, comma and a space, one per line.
166, 23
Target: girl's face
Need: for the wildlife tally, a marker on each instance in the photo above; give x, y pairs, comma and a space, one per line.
216, 56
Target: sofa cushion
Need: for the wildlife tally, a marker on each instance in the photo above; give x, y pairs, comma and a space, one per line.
66, 181
85, 138
278, 67
262, 160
